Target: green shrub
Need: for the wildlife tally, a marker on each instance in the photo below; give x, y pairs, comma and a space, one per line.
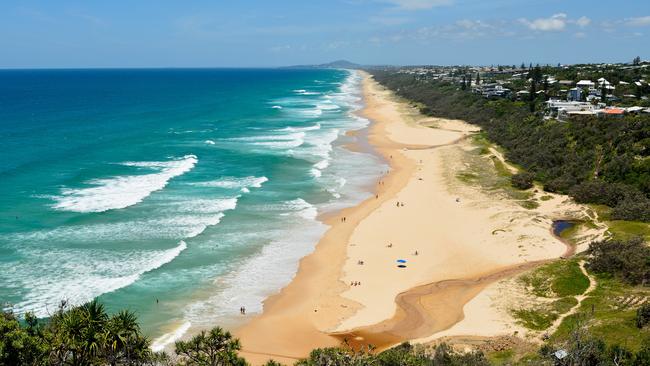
626, 259
643, 316
522, 180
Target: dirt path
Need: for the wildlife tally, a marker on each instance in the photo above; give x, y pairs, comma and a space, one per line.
580, 298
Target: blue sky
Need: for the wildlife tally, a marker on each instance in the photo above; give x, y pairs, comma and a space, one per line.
250, 33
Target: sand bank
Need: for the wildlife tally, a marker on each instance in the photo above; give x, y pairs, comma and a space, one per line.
455, 241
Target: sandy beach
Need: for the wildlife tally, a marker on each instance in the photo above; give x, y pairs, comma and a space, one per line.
453, 240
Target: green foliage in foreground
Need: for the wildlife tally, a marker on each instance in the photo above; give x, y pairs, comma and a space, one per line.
87, 335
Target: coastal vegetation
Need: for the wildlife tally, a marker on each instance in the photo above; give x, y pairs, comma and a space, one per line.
596, 160
87, 335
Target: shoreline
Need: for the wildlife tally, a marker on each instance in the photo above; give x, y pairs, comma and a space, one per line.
269, 330
319, 309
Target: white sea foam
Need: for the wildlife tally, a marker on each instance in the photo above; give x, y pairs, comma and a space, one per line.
328, 105
209, 142
234, 182
123, 191
317, 126
255, 278
279, 141
171, 226
277, 107
308, 112
166, 339
316, 173
78, 276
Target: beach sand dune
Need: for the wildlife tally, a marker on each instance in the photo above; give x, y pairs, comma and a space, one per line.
451, 240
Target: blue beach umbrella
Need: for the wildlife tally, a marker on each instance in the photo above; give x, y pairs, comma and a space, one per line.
401, 261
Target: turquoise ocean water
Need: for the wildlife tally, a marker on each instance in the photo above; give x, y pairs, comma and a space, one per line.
199, 188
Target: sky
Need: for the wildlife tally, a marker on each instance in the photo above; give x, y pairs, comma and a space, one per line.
262, 33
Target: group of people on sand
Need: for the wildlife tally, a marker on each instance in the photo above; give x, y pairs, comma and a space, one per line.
400, 204
355, 283
344, 219
242, 310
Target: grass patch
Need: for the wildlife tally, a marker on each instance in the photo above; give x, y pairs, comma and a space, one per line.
467, 177
528, 204
534, 319
501, 168
614, 311
620, 229
625, 230
501, 357
564, 304
558, 279
546, 198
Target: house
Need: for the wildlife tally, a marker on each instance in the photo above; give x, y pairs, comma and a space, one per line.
523, 95
603, 81
563, 110
566, 82
575, 94
613, 112
585, 84
492, 91
634, 110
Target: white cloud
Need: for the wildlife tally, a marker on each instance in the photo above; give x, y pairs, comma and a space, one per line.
557, 22
638, 22
583, 21
418, 4
463, 29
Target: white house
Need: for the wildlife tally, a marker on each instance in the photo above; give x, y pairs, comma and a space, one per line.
585, 84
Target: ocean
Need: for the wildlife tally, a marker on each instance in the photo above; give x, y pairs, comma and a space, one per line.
180, 194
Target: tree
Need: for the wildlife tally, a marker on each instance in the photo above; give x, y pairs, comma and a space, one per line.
533, 96
603, 92
341, 356
463, 86
546, 84
636, 61
216, 348
478, 78
21, 345
643, 316
626, 259
86, 335
522, 180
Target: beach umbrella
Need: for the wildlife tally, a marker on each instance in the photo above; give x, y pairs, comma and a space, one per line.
401, 261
